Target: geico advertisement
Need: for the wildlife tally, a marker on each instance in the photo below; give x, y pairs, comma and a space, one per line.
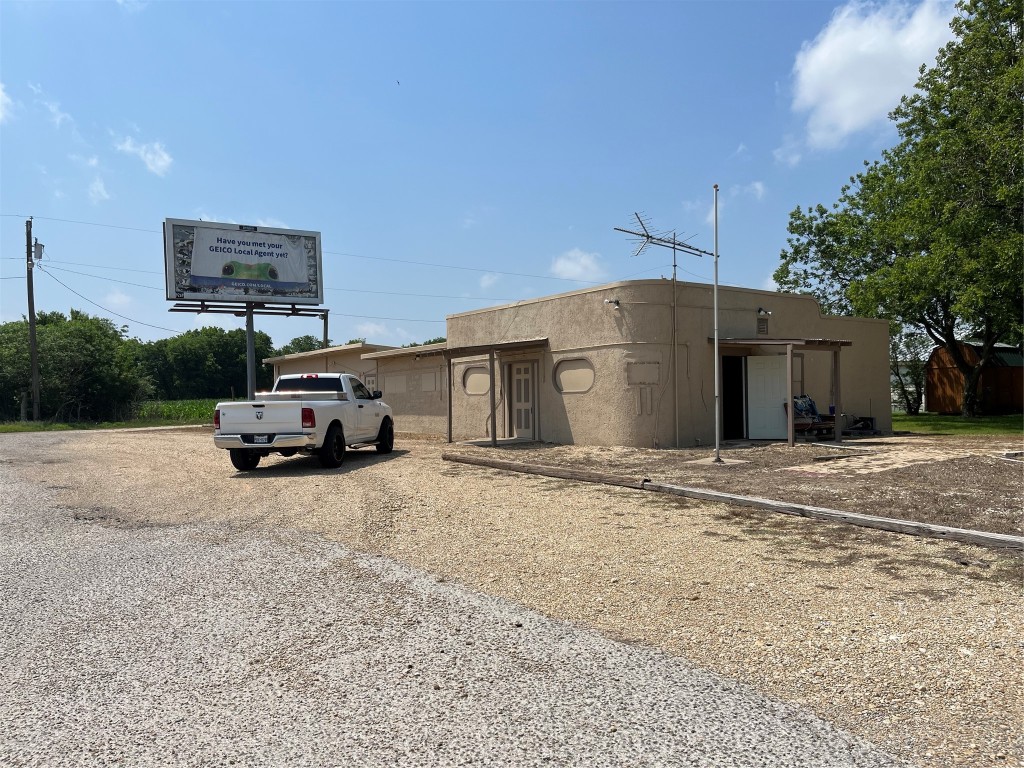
252, 261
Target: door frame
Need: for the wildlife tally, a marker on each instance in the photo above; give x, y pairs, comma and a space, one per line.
510, 422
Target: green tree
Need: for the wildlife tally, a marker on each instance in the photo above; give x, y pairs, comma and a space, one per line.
307, 343
908, 363
932, 235
435, 340
88, 370
206, 362
15, 370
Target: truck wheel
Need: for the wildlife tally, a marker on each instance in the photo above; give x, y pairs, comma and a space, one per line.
386, 437
244, 459
332, 452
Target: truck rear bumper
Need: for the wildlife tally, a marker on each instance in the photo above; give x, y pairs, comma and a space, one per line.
273, 443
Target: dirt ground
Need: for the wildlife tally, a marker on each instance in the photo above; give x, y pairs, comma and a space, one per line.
963, 482
914, 644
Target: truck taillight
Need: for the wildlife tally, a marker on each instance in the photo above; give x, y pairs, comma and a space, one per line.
308, 418
216, 418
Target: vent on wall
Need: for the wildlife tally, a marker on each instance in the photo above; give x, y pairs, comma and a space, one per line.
762, 326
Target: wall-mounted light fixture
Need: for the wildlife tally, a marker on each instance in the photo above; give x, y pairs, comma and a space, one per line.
762, 312
613, 302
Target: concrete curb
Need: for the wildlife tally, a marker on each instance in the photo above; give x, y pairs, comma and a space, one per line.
964, 535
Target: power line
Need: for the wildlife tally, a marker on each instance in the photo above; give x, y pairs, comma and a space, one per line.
171, 330
107, 279
345, 290
467, 269
418, 295
86, 223
337, 253
103, 266
109, 311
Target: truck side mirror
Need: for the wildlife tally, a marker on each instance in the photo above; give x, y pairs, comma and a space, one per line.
376, 394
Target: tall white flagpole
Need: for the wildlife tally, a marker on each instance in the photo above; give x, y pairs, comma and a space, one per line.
718, 359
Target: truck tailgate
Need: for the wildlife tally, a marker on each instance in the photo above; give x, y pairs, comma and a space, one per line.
262, 417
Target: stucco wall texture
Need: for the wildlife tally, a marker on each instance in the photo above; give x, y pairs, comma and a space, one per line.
631, 401
606, 374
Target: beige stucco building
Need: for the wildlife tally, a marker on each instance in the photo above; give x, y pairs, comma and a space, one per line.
603, 366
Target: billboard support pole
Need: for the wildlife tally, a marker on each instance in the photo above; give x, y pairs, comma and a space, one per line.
250, 351
326, 339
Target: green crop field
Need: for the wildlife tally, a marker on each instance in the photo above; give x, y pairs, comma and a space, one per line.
150, 413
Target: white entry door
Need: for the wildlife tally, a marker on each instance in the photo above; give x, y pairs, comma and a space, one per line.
766, 394
522, 400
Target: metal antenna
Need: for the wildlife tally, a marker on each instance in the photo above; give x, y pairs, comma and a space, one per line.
666, 240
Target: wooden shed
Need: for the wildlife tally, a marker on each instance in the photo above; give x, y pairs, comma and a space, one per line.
1000, 387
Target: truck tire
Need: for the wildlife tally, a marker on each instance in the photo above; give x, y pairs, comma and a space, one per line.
244, 459
332, 452
386, 437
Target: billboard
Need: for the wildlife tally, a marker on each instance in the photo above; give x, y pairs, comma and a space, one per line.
207, 261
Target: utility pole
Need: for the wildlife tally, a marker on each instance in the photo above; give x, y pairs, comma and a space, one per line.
33, 350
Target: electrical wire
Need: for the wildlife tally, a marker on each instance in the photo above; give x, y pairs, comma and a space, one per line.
149, 325
108, 311
99, 277
333, 253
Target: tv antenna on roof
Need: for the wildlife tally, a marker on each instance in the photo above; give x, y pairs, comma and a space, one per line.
666, 241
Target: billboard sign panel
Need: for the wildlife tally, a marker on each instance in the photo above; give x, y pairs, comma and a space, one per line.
207, 261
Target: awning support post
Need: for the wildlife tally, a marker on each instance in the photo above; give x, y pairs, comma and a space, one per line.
790, 430
494, 407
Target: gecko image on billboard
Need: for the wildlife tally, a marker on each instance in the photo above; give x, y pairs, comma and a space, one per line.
208, 261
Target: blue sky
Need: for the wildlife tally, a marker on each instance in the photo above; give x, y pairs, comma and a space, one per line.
454, 155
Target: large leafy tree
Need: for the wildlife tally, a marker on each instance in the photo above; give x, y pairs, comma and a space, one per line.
88, 368
207, 362
932, 235
307, 343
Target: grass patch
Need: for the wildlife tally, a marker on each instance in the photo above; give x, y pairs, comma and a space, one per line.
933, 423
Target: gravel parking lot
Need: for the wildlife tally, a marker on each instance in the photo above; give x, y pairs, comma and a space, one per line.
912, 645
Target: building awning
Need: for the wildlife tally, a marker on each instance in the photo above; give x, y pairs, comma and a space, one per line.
498, 346
789, 346
796, 343
420, 350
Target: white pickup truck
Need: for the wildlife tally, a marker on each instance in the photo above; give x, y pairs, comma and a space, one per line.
321, 413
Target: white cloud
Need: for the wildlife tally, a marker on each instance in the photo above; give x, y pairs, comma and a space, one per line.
85, 162
709, 218
372, 331
98, 191
117, 298
854, 72
768, 284
5, 104
154, 155
789, 153
57, 117
578, 265
489, 280
273, 223
755, 189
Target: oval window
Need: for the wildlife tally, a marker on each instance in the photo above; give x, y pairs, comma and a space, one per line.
574, 376
476, 381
